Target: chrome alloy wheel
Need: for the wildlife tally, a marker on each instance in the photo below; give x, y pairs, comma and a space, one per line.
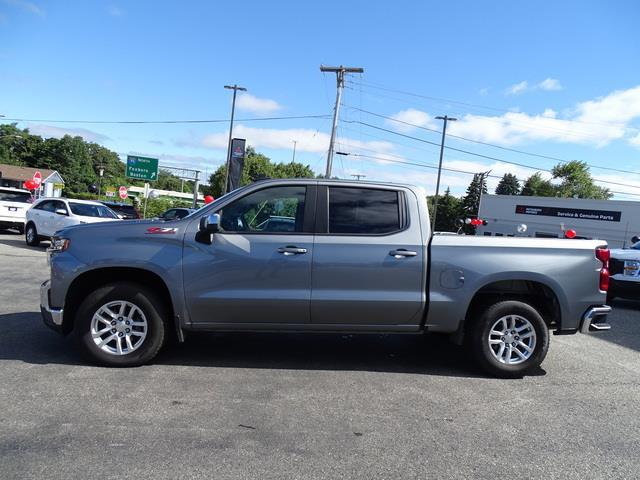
512, 339
31, 234
119, 327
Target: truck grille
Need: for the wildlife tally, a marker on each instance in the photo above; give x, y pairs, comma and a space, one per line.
616, 266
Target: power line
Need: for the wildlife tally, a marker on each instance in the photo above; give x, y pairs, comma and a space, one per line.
529, 125
454, 170
488, 157
128, 122
475, 105
508, 149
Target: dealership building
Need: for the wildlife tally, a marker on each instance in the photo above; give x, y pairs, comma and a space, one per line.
549, 217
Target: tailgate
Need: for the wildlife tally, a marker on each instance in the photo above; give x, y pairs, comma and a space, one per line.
14, 210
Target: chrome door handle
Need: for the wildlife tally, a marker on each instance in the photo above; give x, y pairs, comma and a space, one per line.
291, 250
401, 252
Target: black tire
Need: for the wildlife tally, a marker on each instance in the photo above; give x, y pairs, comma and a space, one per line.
151, 306
479, 334
31, 235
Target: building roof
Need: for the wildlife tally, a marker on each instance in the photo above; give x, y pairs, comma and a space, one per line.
15, 172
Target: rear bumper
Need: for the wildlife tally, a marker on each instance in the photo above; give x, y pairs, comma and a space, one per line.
11, 222
52, 317
595, 319
624, 288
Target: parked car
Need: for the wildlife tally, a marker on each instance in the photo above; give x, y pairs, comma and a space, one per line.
48, 215
124, 210
360, 258
14, 203
175, 213
625, 273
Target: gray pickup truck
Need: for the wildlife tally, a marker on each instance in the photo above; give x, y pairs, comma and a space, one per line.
320, 256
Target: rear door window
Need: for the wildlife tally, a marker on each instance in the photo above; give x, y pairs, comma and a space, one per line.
363, 211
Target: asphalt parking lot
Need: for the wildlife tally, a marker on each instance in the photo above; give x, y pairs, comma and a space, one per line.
305, 406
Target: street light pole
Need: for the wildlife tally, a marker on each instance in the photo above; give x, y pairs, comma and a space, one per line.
235, 89
100, 175
435, 202
294, 151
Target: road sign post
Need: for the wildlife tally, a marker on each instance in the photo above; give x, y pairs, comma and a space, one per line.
142, 168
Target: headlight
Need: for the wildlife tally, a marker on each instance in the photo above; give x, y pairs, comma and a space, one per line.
59, 244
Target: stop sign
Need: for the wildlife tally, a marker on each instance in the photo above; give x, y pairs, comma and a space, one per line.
122, 192
37, 178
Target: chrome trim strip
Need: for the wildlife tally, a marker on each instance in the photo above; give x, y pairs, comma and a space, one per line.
56, 313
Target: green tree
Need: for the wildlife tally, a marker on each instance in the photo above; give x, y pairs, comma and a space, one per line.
449, 212
471, 200
508, 185
256, 167
576, 182
536, 186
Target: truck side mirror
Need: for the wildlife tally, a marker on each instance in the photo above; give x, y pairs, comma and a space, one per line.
210, 224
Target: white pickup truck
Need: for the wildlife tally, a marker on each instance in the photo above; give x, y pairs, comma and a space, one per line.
316, 256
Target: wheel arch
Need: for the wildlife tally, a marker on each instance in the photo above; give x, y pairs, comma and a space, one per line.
539, 294
88, 281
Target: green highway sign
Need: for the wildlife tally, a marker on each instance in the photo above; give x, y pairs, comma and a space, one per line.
142, 168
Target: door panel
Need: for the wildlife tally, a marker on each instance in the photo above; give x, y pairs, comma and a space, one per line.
258, 267
361, 279
245, 279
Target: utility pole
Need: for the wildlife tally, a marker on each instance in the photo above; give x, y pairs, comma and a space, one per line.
235, 89
294, 151
339, 71
435, 202
358, 175
483, 176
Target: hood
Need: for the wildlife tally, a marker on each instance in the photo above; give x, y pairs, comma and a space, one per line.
625, 253
119, 228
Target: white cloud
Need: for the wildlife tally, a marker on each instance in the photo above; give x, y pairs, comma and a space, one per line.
50, 131
595, 122
549, 84
635, 140
518, 88
413, 116
308, 140
114, 11
26, 6
259, 106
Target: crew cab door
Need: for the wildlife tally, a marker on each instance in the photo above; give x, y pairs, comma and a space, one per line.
368, 262
257, 269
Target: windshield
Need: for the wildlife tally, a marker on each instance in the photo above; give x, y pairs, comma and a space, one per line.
89, 210
9, 196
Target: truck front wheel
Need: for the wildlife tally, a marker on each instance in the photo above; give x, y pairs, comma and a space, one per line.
121, 325
509, 339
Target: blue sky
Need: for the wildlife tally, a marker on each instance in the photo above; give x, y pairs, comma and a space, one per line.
558, 79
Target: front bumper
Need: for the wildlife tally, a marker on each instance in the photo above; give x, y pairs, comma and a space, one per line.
594, 319
52, 317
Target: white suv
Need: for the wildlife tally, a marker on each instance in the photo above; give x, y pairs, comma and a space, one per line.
14, 204
48, 215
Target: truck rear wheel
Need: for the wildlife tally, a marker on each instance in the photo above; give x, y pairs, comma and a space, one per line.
509, 339
121, 325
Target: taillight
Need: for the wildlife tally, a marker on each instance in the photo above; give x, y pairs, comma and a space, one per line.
604, 254
604, 279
